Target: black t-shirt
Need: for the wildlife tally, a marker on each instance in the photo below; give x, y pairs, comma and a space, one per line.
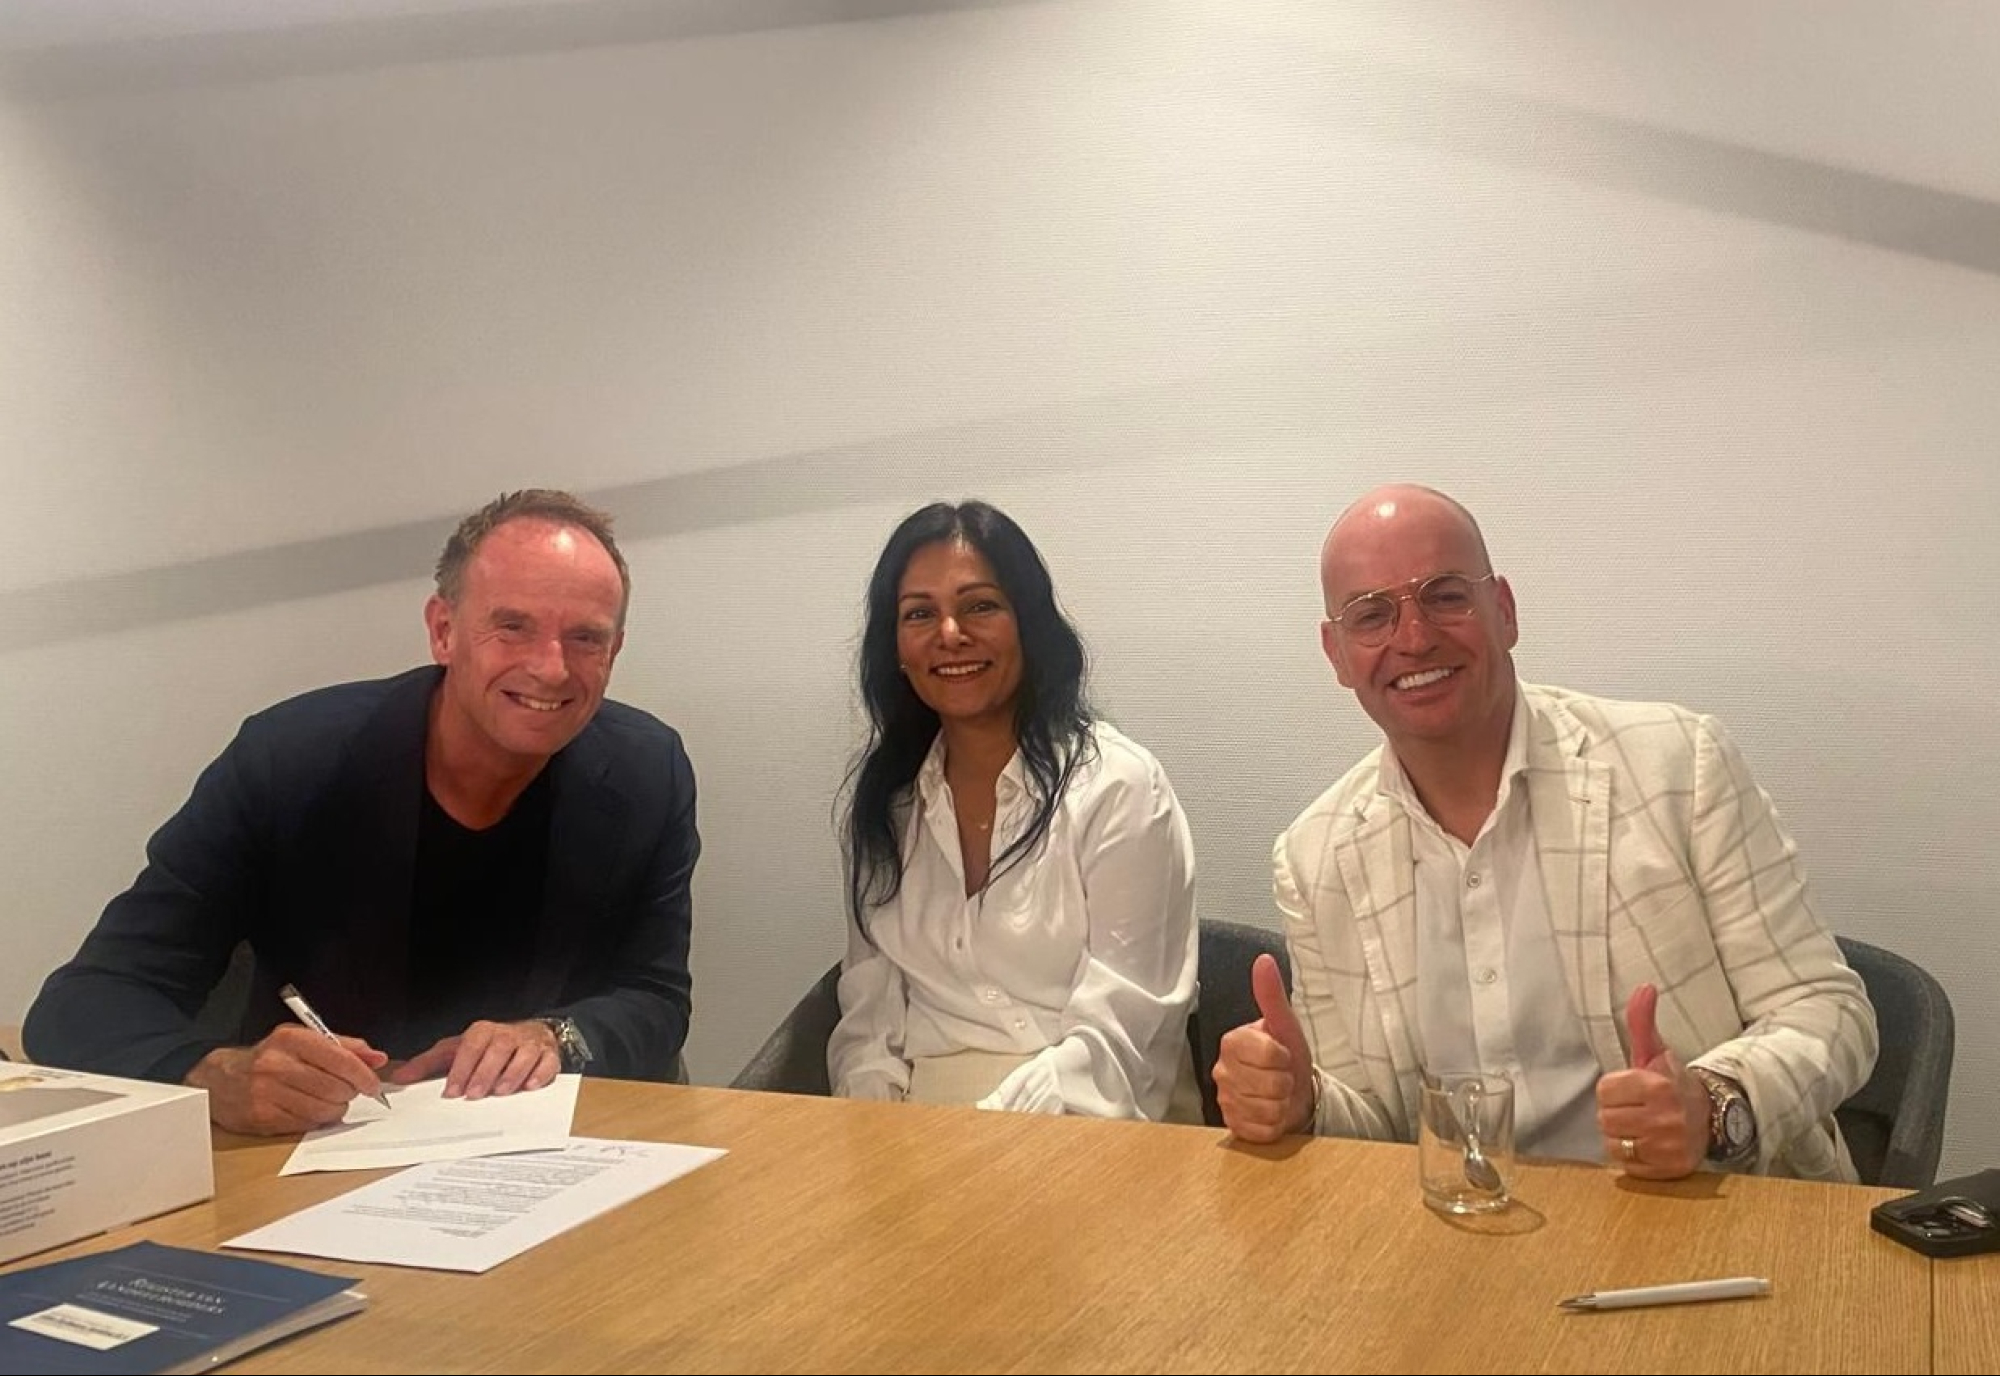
473, 915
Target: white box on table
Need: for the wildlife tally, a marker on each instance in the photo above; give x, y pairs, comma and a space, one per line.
81, 1154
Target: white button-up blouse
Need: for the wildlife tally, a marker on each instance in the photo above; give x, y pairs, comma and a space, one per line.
1080, 954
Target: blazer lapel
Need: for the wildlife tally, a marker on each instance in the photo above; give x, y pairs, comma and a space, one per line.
1378, 871
364, 854
585, 832
1570, 798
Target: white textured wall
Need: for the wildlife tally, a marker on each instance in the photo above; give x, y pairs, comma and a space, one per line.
1698, 305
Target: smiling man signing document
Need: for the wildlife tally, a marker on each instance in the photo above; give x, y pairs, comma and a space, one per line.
478, 869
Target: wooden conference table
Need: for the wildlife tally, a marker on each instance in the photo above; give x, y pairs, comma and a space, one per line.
842, 1236
1968, 1315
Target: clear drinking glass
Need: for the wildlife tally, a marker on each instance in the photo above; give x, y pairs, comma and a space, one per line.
1465, 1141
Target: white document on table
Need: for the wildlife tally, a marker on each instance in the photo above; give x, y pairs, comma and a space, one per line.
422, 1125
471, 1215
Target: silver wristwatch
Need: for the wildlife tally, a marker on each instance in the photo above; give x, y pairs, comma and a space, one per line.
1732, 1128
570, 1043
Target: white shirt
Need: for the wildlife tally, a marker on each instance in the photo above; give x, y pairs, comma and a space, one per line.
1080, 954
1491, 996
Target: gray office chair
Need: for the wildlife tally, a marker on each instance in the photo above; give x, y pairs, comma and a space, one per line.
1894, 1124
1224, 1001
792, 1059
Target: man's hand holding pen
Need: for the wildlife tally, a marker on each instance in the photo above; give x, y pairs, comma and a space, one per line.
292, 1081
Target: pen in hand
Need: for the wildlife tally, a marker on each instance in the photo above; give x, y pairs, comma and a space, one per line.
296, 1001
1686, 1292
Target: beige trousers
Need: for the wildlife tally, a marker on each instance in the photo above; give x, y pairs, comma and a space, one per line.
966, 1077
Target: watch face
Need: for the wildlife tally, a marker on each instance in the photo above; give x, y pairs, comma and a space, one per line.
1736, 1125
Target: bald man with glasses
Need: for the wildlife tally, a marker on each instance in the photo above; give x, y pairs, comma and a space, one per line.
1590, 897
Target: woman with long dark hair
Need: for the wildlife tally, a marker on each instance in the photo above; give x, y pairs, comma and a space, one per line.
1020, 875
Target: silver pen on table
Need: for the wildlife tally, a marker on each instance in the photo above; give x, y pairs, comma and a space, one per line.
303, 1011
1686, 1292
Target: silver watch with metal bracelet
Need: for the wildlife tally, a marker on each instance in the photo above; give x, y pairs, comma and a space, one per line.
1732, 1127
571, 1045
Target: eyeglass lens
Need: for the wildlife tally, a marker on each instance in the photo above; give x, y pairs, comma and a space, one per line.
1372, 618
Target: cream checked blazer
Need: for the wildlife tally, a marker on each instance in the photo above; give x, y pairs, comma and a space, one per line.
1664, 863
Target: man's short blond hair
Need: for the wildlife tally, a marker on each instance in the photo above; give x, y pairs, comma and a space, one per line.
529, 504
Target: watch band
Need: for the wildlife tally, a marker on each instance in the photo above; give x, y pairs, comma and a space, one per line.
571, 1044
1732, 1127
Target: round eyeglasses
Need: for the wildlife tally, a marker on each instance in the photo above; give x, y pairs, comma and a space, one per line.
1443, 599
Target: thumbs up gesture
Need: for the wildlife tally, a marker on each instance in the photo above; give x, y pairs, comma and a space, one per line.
1263, 1069
1654, 1116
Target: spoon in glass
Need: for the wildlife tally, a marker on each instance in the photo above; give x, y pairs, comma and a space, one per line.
1480, 1173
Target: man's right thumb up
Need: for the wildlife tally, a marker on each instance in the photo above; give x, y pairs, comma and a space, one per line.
1267, 985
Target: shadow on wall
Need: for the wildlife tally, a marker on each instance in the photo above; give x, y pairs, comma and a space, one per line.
201, 55
948, 459
1546, 138
1396, 105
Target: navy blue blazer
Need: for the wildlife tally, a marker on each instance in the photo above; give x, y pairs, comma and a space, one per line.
301, 840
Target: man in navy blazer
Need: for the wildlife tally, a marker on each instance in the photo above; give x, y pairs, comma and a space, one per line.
478, 869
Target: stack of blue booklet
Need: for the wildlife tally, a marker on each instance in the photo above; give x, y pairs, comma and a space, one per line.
148, 1308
